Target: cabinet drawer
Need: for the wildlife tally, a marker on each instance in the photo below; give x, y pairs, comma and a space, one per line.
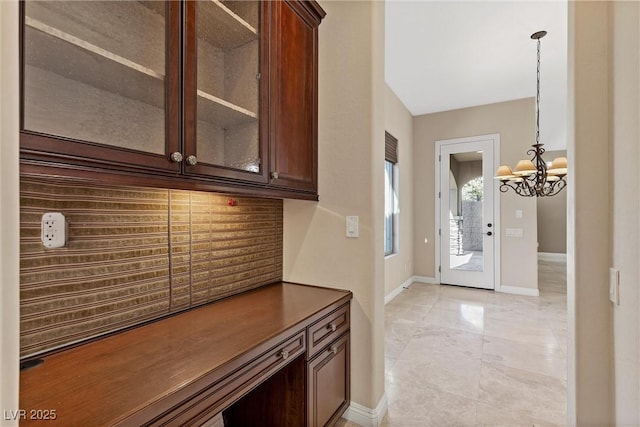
327, 329
328, 377
218, 396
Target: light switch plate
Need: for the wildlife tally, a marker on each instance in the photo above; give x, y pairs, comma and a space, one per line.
614, 286
352, 226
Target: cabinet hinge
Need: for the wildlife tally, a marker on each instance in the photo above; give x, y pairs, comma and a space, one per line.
439, 269
439, 231
439, 157
439, 195
258, 76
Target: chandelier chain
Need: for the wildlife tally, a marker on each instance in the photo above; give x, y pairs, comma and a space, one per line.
538, 97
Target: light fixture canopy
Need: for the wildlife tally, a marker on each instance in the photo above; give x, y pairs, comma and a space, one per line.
532, 177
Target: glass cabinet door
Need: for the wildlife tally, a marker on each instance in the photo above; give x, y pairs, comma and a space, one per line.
223, 89
100, 73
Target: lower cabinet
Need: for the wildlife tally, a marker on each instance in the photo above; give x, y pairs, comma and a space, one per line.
328, 384
312, 390
280, 401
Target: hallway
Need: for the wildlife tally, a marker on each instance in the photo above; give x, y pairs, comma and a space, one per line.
459, 356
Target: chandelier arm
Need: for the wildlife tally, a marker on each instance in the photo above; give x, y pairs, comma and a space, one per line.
521, 188
505, 186
556, 187
524, 190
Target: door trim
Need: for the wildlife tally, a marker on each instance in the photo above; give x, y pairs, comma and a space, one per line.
495, 137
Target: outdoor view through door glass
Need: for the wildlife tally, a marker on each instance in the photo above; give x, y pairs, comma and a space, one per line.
465, 212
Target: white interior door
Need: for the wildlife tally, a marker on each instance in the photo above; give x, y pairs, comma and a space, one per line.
467, 221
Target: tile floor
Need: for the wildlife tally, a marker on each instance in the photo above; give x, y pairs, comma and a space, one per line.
467, 357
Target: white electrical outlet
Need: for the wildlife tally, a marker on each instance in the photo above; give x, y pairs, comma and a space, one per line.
614, 286
54, 230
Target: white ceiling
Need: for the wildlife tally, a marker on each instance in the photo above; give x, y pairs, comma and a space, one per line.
445, 55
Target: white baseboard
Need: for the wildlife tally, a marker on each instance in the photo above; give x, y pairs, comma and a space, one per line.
366, 417
425, 279
519, 290
551, 256
394, 293
419, 279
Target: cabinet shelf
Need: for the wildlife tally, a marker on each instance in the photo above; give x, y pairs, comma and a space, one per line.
222, 113
228, 30
66, 55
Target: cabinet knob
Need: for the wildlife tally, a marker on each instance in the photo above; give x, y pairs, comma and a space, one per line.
192, 160
274, 175
284, 354
333, 327
333, 349
176, 157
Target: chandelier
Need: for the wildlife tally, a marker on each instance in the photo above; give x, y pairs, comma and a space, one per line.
534, 177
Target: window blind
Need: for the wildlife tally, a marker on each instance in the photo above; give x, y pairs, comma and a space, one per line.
390, 148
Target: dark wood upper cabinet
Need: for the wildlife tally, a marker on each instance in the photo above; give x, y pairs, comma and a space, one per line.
294, 100
224, 134
209, 95
100, 82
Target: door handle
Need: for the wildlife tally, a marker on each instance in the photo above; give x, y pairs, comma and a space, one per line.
489, 233
489, 225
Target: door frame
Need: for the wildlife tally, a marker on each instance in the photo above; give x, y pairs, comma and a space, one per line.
495, 137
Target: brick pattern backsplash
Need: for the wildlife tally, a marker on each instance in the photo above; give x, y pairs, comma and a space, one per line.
136, 254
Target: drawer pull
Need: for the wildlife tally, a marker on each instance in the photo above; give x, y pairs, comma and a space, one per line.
333, 349
284, 354
332, 326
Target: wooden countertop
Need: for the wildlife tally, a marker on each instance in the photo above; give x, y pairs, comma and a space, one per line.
106, 381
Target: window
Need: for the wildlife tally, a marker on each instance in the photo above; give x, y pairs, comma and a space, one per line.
390, 194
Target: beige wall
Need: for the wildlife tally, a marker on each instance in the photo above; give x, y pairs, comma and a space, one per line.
552, 217
9, 217
398, 267
515, 122
625, 136
350, 140
603, 212
468, 171
589, 217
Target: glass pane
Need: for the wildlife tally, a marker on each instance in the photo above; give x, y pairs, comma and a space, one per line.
388, 208
465, 212
94, 71
228, 42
